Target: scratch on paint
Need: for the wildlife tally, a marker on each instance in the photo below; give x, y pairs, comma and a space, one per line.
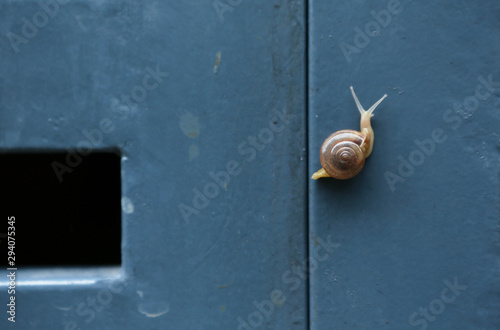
154, 310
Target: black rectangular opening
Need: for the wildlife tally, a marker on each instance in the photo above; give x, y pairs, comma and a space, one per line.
66, 207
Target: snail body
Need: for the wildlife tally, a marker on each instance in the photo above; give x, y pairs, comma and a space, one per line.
344, 152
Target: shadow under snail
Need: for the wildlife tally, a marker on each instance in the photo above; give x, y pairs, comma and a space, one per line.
344, 152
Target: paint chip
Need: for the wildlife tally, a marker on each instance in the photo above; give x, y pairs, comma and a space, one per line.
217, 62
194, 152
189, 125
127, 205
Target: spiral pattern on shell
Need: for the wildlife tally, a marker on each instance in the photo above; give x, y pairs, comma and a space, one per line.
341, 154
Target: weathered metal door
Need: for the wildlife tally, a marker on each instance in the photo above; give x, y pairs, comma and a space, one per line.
181, 137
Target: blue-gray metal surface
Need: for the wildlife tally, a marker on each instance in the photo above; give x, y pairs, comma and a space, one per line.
206, 101
415, 235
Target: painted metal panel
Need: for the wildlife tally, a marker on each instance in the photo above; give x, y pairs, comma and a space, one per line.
202, 98
415, 234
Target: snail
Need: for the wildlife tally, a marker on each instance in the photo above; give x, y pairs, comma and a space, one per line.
344, 152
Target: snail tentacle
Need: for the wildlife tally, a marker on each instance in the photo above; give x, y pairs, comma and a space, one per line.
362, 111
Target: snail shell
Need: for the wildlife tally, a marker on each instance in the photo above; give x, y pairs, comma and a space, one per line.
342, 154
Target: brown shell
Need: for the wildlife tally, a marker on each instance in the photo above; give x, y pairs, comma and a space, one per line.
341, 154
